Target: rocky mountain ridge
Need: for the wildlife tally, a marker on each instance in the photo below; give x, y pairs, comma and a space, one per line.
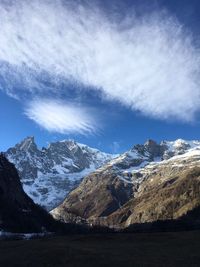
138, 186
49, 174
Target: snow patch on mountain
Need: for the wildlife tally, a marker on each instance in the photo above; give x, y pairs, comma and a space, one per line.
132, 165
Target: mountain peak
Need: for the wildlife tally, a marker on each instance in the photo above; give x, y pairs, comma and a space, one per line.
29, 138
28, 143
150, 142
49, 174
71, 144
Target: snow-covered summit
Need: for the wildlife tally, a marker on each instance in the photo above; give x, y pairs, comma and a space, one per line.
149, 153
48, 174
178, 147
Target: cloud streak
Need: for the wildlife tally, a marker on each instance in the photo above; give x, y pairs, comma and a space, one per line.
57, 116
148, 64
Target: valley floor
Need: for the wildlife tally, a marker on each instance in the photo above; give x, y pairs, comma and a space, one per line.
143, 249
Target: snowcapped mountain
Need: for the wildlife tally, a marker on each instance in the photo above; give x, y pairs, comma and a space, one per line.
177, 155
49, 174
128, 163
141, 155
149, 182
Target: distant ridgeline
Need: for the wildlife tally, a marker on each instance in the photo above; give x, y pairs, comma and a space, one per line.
151, 186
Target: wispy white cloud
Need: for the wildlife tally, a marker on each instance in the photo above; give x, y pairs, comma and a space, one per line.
57, 116
148, 64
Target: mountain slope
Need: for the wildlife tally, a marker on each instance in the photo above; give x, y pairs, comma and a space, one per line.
150, 182
169, 199
49, 174
18, 213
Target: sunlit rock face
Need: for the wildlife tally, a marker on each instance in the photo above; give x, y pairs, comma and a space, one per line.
148, 183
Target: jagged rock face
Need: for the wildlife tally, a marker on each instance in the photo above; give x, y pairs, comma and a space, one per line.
151, 149
18, 213
49, 174
147, 186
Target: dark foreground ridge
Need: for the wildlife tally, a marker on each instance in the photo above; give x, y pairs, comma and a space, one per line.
19, 214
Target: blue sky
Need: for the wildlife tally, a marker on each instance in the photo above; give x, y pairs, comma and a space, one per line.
107, 75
